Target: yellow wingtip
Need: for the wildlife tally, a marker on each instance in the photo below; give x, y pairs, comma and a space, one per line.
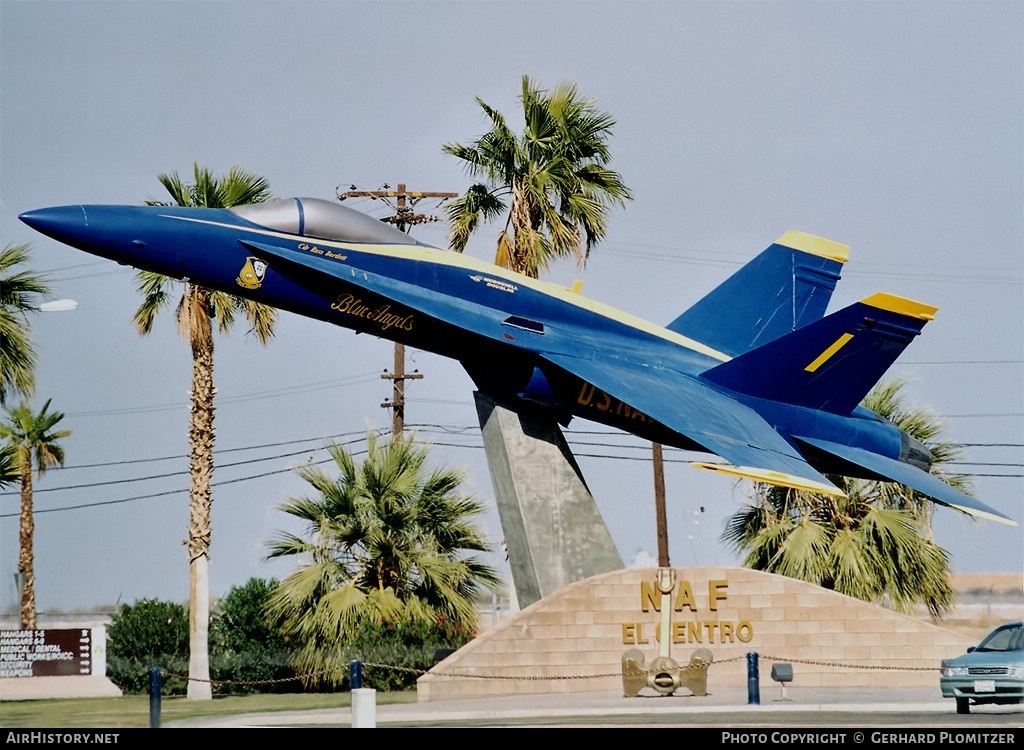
975, 513
776, 478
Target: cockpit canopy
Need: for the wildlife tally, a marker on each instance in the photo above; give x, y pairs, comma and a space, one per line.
321, 219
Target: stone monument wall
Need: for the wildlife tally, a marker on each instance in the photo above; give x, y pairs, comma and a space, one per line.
574, 639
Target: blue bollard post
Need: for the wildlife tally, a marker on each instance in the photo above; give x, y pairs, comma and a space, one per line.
355, 673
753, 683
154, 697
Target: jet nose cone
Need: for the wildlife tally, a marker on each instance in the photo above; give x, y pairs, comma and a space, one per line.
61, 223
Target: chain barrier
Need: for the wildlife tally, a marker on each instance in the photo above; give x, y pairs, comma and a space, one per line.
553, 678
847, 666
297, 678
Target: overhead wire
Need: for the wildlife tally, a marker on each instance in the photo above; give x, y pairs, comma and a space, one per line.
222, 400
448, 429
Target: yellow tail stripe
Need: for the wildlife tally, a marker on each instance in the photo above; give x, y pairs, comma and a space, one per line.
827, 354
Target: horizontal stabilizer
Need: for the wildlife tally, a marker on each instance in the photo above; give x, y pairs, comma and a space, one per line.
785, 287
830, 364
714, 420
917, 479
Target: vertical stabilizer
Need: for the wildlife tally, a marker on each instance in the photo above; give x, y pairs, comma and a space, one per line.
832, 363
785, 287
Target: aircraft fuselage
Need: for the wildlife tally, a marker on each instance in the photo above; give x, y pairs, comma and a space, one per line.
506, 320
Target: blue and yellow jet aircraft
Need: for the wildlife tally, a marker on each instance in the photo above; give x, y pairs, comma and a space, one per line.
755, 373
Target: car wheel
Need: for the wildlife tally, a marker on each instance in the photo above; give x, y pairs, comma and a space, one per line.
963, 706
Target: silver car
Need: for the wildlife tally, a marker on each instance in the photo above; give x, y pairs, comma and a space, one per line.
991, 672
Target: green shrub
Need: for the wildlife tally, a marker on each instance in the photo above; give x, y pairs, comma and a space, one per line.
149, 633
247, 651
395, 653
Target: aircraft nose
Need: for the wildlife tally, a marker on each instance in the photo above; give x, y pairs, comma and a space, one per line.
62, 222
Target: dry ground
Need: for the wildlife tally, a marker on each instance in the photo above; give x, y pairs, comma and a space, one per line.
1005, 584
984, 600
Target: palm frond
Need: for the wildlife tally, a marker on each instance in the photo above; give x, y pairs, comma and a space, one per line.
556, 172
153, 288
8, 465
803, 551
33, 436
393, 530
21, 292
465, 213
18, 357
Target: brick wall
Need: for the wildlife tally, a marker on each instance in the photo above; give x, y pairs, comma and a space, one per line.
574, 639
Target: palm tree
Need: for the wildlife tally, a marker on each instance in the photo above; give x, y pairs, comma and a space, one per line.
386, 539
35, 445
18, 293
553, 180
555, 184
875, 543
198, 309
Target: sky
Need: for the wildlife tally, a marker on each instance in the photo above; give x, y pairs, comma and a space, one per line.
896, 128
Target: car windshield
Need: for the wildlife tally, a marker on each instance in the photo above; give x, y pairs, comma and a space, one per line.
315, 217
1006, 638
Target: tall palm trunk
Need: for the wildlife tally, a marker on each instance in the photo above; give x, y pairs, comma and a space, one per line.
200, 500
26, 534
199, 309
522, 233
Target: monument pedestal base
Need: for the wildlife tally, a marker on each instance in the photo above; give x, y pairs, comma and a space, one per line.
554, 533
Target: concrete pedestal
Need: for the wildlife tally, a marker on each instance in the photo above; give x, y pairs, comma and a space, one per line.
553, 530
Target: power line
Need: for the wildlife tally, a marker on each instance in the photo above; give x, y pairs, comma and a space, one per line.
474, 446
168, 475
575, 437
991, 445
224, 400
183, 490
182, 456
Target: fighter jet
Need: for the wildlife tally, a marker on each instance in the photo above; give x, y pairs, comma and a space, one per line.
755, 373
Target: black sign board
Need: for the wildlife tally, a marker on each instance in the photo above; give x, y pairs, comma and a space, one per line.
45, 653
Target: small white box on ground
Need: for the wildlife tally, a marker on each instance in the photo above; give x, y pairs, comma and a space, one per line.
364, 708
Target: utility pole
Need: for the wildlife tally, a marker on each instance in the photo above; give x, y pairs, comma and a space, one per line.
661, 517
405, 216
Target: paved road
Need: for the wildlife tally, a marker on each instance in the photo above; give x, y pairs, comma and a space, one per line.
726, 708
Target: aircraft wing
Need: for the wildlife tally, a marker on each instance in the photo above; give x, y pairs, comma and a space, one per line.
719, 423
913, 477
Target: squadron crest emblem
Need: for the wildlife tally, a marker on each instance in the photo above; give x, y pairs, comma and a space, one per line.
252, 273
